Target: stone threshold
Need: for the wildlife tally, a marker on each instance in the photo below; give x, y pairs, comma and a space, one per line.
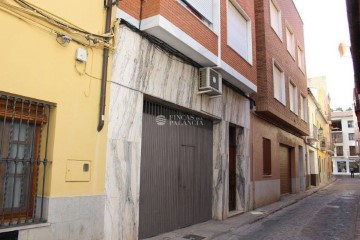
24, 227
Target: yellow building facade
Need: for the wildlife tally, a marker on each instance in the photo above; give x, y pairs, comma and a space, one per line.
52, 76
320, 148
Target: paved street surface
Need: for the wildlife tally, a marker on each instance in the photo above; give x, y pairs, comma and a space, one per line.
321, 213
331, 213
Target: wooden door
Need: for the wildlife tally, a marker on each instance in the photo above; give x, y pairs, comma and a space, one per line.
285, 170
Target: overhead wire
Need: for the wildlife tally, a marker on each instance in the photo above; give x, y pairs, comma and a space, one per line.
41, 18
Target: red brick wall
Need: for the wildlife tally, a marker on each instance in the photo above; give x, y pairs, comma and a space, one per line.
131, 7
190, 24
270, 46
178, 15
230, 56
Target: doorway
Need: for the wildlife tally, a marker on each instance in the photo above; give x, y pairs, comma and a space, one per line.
232, 168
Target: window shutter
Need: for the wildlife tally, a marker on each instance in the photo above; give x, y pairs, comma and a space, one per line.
204, 7
237, 31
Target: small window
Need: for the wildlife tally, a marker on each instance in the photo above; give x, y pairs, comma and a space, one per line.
351, 136
266, 156
275, 18
350, 124
301, 59
339, 151
290, 41
293, 98
352, 150
239, 31
279, 83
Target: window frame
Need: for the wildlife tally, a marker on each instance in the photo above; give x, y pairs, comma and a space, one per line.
301, 58
350, 125
242, 13
293, 42
294, 101
303, 102
281, 84
342, 151
279, 32
351, 138
16, 113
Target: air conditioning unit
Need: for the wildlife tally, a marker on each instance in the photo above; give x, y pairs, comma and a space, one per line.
210, 82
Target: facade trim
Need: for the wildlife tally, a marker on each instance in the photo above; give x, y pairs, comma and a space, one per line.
162, 28
237, 79
120, 14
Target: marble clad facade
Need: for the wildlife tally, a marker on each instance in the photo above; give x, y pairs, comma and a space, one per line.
141, 70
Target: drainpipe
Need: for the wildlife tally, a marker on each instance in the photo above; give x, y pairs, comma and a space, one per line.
105, 64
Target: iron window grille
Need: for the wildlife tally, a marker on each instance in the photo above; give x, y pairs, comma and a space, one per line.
24, 131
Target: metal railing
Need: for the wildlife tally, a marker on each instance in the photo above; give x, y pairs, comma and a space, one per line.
337, 137
24, 127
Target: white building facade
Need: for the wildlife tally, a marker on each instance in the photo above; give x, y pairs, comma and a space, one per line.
343, 135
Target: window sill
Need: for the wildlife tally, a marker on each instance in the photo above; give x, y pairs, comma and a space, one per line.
267, 176
24, 227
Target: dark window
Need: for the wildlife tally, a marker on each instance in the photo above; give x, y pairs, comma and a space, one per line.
266, 156
23, 159
350, 124
336, 125
339, 151
352, 150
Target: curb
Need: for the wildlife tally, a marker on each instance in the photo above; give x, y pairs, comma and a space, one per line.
307, 193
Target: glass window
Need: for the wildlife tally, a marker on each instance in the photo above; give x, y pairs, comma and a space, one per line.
352, 151
351, 136
339, 151
350, 124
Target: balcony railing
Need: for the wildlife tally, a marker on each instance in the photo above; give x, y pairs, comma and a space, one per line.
24, 126
337, 137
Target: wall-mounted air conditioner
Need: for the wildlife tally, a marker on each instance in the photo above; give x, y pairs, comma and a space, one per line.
210, 82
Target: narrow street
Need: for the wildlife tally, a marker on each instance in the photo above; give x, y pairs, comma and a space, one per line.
332, 213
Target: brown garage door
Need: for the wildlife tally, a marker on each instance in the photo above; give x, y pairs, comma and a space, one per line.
176, 170
285, 170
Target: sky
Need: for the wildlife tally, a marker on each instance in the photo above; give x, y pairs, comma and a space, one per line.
325, 27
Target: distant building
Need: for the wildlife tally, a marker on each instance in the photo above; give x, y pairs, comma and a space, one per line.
343, 135
319, 145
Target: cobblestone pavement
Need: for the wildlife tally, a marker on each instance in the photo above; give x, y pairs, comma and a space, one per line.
330, 214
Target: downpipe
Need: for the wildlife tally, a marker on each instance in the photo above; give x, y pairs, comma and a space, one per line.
105, 64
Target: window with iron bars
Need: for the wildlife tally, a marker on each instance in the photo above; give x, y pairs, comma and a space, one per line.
24, 128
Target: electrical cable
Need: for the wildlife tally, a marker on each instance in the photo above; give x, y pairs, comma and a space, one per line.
36, 16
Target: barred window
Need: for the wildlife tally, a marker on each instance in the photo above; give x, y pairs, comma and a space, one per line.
24, 126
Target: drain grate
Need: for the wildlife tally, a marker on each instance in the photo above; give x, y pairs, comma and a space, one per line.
193, 237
